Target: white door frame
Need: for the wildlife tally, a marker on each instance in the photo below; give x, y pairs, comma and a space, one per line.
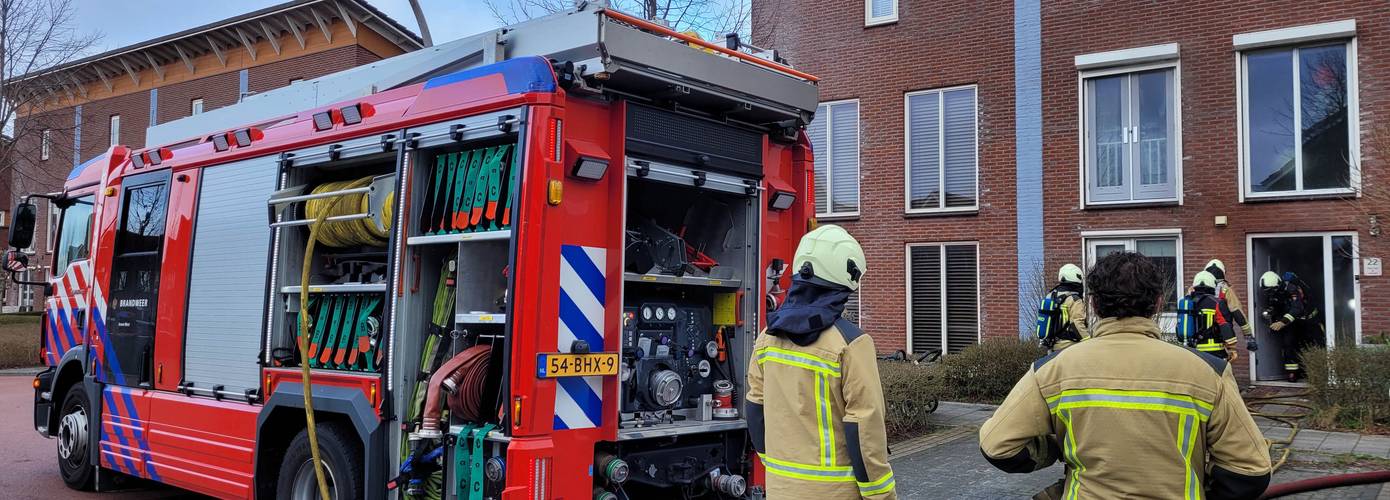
1329, 312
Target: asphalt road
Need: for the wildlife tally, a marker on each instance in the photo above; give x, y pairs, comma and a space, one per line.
31, 463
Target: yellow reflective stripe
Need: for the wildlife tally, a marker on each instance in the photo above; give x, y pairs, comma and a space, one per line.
1122, 392
877, 486
1069, 454
809, 467
797, 359
1132, 406
882, 485
806, 472
823, 421
1183, 440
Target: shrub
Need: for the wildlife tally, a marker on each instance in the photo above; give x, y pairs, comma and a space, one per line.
19, 340
1348, 385
985, 373
909, 391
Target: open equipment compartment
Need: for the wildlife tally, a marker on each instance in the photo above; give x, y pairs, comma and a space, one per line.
454, 299
354, 181
689, 314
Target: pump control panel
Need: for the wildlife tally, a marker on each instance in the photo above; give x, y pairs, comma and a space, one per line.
670, 357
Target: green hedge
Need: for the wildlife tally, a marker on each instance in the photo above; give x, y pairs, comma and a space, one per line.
1349, 386
983, 373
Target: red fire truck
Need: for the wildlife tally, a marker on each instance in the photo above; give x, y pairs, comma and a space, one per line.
530, 266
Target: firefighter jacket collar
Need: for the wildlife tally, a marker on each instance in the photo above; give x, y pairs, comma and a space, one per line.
812, 306
1127, 326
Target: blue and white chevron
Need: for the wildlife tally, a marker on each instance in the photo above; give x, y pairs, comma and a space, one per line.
579, 400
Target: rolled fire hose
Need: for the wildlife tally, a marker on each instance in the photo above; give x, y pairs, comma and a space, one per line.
361, 231
463, 377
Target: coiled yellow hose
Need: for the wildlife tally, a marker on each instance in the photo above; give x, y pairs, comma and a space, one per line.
351, 232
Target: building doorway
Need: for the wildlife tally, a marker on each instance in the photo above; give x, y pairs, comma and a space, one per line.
1327, 262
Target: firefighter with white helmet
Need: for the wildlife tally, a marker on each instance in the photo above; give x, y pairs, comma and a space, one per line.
815, 404
1062, 312
1204, 319
1227, 293
1292, 317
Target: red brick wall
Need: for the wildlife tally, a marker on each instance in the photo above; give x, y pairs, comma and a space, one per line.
216, 91
945, 44
1209, 134
278, 74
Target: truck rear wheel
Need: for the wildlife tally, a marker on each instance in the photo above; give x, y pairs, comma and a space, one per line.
74, 436
341, 454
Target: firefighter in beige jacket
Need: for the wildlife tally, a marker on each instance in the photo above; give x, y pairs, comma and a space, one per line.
1132, 416
815, 405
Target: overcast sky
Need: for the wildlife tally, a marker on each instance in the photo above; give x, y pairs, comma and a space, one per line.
125, 22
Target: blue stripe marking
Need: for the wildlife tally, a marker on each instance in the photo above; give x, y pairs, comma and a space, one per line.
589, 273
120, 436
52, 338
585, 397
523, 74
578, 324
120, 380
67, 328
559, 425
137, 427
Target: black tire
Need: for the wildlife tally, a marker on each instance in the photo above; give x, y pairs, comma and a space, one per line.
341, 453
75, 440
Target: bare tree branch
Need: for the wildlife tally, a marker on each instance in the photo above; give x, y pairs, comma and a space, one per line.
36, 35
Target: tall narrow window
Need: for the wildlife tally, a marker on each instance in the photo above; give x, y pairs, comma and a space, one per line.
942, 150
196, 107
1131, 142
43, 144
1298, 117
880, 12
115, 129
943, 296
835, 141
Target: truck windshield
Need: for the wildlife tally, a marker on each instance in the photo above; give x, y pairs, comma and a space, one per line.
74, 234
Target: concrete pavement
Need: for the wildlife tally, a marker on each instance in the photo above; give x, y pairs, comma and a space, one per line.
31, 470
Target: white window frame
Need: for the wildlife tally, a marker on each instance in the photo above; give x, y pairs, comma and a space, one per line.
115, 130
195, 107
1090, 239
54, 219
44, 144
858, 162
870, 20
907, 297
1296, 38
941, 139
1086, 74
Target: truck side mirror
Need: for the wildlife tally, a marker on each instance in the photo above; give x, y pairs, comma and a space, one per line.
22, 230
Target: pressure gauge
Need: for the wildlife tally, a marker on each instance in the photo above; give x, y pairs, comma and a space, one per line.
646, 314
660, 314
671, 313
704, 368
711, 349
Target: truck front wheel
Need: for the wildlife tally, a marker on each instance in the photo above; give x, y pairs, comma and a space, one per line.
341, 454
74, 437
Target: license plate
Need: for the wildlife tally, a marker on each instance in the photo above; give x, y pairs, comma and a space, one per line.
577, 365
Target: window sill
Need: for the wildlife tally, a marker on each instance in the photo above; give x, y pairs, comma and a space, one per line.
941, 212
837, 217
880, 22
1120, 205
1293, 196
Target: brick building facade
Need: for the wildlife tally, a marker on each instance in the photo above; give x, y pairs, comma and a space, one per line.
1244, 131
122, 92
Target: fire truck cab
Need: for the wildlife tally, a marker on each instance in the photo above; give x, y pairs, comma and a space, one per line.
531, 267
